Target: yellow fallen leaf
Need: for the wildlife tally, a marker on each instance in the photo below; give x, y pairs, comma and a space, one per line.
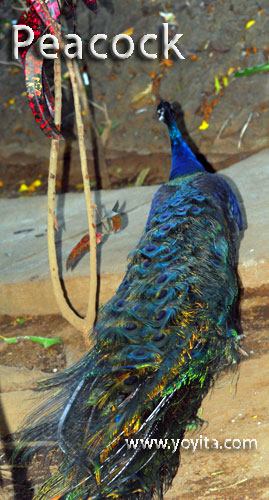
36, 183
250, 23
31, 188
23, 94
167, 62
79, 186
11, 101
142, 94
1, 183
128, 32
83, 112
255, 416
23, 187
225, 81
204, 125
230, 71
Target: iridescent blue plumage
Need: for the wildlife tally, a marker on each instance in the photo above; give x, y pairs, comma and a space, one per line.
161, 341
184, 162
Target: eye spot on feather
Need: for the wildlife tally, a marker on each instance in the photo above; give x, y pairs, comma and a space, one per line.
159, 337
196, 210
164, 216
130, 326
162, 278
162, 294
139, 353
147, 263
182, 210
120, 303
166, 227
161, 314
137, 307
150, 248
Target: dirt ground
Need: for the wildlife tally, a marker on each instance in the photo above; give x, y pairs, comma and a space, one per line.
237, 408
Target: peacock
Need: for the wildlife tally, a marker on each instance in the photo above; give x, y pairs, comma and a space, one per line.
161, 341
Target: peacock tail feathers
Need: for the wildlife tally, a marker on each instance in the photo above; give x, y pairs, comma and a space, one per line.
161, 341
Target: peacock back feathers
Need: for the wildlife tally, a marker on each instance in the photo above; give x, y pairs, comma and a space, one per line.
161, 341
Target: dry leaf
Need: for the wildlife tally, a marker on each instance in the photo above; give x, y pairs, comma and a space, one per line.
142, 176
128, 32
167, 62
250, 23
143, 93
23, 187
36, 183
204, 125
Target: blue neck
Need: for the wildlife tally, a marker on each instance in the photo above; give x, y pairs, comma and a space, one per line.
184, 162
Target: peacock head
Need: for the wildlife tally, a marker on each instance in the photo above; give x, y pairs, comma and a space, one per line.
166, 112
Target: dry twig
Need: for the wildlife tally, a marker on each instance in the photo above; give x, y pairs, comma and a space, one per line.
243, 130
101, 141
86, 324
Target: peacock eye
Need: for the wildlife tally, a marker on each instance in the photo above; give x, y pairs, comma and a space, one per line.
147, 263
159, 337
150, 248
130, 326
120, 303
195, 210
139, 353
166, 227
162, 294
162, 278
161, 314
